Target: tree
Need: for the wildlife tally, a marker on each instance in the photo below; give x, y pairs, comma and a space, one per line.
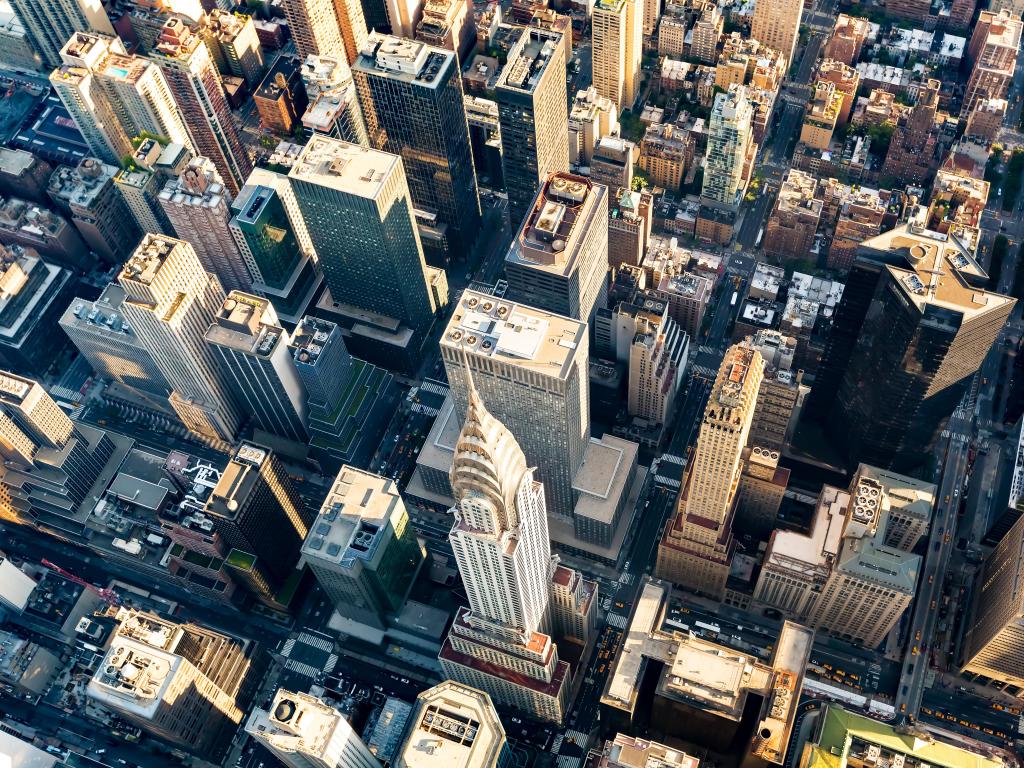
640, 179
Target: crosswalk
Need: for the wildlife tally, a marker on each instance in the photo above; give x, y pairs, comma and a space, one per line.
703, 372
707, 350
617, 621
956, 437
627, 578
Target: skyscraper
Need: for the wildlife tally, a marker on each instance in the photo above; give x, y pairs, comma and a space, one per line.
327, 27
994, 644
729, 162
190, 71
696, 550
349, 401
304, 732
500, 541
363, 549
533, 112
776, 24
455, 726
171, 301
559, 260
254, 351
413, 105
113, 97
181, 682
50, 464
358, 211
199, 206
261, 520
274, 243
618, 49
48, 25
111, 346
913, 326
532, 367
853, 575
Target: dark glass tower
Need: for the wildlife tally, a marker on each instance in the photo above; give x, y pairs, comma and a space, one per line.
412, 100
913, 326
534, 114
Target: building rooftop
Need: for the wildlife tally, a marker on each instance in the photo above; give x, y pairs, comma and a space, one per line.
454, 726
707, 676
848, 739
147, 260
354, 519
346, 167
237, 481
297, 723
940, 271
604, 476
389, 730
403, 59
515, 334
555, 229
15, 162
797, 194
324, 73
631, 752
79, 187
248, 324
139, 665
279, 78
528, 59
15, 585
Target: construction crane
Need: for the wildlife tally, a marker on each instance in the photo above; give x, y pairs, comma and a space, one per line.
109, 596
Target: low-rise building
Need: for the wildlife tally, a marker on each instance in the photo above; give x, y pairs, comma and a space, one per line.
281, 98
847, 39
790, 230
666, 152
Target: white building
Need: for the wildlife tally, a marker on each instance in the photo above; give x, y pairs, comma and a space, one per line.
501, 546
304, 732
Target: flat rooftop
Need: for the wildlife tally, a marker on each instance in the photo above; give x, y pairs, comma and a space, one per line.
454, 726
939, 271
345, 167
246, 323
514, 334
237, 481
528, 59
400, 58
604, 476
563, 213
353, 519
